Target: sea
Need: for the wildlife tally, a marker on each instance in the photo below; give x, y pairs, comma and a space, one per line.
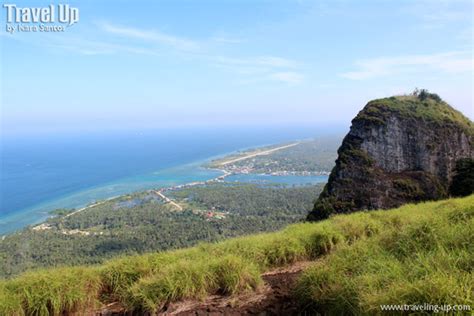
41, 173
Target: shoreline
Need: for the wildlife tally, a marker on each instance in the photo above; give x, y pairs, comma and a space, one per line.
206, 164
166, 199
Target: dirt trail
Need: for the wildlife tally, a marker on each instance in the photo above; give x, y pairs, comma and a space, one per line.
274, 297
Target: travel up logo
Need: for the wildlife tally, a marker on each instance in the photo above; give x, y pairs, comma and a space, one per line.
53, 18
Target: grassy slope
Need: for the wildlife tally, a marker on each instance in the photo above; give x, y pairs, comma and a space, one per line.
418, 254
414, 254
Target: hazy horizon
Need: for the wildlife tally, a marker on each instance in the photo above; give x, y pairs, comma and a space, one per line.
133, 66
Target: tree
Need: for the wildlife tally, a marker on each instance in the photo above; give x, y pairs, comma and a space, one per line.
462, 183
423, 94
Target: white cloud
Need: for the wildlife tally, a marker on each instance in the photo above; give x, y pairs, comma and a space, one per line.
261, 61
262, 68
95, 47
132, 40
441, 13
150, 36
287, 77
450, 62
228, 40
466, 35
290, 78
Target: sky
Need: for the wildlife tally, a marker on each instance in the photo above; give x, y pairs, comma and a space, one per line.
158, 64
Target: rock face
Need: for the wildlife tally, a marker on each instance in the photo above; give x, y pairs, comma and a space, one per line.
398, 150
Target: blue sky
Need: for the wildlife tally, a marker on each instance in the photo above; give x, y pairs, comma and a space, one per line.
149, 64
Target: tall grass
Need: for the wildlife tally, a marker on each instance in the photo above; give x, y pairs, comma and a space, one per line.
194, 279
368, 259
422, 254
51, 292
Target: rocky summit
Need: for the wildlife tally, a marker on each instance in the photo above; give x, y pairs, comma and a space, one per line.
399, 149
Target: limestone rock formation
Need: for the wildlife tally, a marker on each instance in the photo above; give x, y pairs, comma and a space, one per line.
399, 149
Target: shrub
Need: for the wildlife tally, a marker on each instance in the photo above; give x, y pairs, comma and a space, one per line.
462, 183
409, 188
424, 94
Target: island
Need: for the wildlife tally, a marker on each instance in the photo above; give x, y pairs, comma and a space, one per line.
182, 215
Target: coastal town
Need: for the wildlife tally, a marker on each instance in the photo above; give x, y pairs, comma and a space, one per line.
260, 161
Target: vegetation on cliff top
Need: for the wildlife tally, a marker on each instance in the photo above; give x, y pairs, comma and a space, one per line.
418, 105
414, 254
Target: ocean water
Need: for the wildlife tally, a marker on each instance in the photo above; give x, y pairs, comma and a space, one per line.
42, 173
291, 180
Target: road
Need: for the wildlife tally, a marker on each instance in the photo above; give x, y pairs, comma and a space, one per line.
168, 200
260, 153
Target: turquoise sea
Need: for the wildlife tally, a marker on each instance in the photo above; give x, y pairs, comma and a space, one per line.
42, 173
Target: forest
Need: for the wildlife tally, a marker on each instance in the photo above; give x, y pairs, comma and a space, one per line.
140, 222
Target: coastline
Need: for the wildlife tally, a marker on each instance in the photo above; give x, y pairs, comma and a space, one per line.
42, 214
39, 213
160, 192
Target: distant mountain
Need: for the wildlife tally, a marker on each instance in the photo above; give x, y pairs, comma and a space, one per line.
399, 149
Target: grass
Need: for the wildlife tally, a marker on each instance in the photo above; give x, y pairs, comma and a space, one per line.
417, 253
409, 106
51, 292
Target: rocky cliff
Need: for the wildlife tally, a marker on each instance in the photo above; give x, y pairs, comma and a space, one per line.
398, 150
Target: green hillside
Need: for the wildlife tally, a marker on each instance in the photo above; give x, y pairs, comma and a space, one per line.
415, 254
